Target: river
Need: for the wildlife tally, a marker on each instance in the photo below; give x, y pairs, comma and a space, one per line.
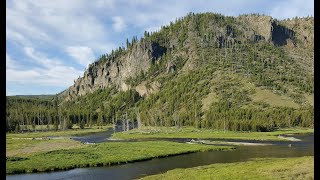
156, 166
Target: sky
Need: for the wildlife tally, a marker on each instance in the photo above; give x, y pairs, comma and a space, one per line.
49, 43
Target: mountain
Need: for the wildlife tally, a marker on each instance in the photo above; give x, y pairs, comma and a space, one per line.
253, 71
188, 38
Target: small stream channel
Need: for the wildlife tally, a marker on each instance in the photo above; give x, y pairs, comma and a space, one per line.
98, 137
305, 147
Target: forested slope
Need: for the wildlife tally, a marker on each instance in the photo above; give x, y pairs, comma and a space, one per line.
250, 72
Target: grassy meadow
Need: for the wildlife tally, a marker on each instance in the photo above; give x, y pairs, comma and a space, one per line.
299, 168
25, 155
103, 154
190, 132
22, 144
75, 131
25, 147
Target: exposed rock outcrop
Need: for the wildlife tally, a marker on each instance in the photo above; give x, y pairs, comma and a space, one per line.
113, 73
145, 89
260, 24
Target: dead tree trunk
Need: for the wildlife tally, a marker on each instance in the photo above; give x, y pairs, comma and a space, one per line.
123, 124
127, 121
114, 125
138, 119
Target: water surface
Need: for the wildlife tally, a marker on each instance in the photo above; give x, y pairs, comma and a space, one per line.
156, 166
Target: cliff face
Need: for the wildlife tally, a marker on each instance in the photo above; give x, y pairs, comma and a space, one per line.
296, 36
262, 25
113, 73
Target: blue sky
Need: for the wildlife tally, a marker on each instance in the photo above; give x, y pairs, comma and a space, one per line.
50, 43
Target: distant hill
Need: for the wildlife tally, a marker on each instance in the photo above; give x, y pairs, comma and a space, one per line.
34, 96
252, 72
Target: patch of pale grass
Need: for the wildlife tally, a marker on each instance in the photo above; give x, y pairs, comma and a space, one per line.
273, 99
266, 169
28, 147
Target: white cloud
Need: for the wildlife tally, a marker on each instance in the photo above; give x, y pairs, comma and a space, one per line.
48, 32
9, 62
21, 75
50, 73
290, 9
118, 24
41, 59
106, 47
35, 23
10, 93
16, 37
81, 54
109, 4
153, 29
43, 77
20, 23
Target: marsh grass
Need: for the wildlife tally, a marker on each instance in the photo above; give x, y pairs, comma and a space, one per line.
25, 147
70, 132
190, 132
273, 99
300, 168
104, 154
22, 144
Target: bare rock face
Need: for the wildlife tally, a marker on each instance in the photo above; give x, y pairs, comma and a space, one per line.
295, 35
261, 24
280, 33
145, 89
303, 29
171, 67
114, 73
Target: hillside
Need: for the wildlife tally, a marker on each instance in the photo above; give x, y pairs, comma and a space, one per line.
250, 72
47, 97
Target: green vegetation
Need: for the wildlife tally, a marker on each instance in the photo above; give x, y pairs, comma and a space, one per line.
217, 77
104, 154
70, 132
25, 147
225, 74
264, 169
34, 142
156, 132
25, 114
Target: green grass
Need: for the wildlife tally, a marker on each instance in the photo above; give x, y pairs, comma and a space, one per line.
208, 100
189, 132
273, 99
49, 127
310, 98
266, 169
26, 147
21, 144
103, 154
70, 132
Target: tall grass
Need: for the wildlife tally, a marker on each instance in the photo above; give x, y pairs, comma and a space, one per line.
190, 132
104, 154
300, 168
70, 132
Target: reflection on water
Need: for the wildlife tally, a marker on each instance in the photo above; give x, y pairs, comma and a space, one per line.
95, 137
155, 166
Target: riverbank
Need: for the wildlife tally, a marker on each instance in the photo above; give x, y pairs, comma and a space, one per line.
190, 132
21, 144
104, 154
69, 132
208, 142
265, 168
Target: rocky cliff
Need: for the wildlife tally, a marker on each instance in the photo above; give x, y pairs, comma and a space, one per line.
114, 71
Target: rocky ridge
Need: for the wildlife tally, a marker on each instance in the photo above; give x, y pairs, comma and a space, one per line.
140, 57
